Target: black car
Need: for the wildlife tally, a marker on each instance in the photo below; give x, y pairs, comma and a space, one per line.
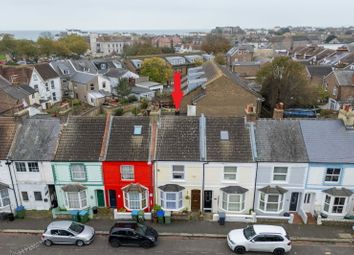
132, 233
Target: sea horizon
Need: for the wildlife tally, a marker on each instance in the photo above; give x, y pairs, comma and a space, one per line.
35, 34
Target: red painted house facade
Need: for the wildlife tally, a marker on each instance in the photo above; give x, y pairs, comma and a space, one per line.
127, 168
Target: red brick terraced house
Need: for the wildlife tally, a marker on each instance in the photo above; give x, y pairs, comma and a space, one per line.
127, 168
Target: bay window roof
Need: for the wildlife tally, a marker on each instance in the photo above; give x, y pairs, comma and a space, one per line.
171, 188
342, 192
234, 190
134, 187
273, 190
73, 188
3, 186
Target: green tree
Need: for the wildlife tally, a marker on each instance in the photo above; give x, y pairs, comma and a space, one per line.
123, 89
8, 45
26, 49
46, 46
215, 43
77, 45
285, 80
220, 58
156, 69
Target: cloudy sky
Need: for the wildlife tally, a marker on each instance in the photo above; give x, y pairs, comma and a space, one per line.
164, 14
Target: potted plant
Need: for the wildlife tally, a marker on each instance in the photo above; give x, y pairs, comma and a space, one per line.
154, 213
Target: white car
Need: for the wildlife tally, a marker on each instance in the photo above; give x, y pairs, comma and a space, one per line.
260, 238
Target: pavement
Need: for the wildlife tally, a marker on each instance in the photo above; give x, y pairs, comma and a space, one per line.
15, 244
196, 229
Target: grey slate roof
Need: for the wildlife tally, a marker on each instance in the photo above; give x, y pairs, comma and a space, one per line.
344, 77
82, 78
123, 145
236, 149
273, 190
84, 65
328, 141
7, 133
63, 68
280, 141
46, 71
3, 186
14, 91
73, 188
81, 139
171, 188
29, 89
37, 139
178, 138
234, 190
342, 192
319, 70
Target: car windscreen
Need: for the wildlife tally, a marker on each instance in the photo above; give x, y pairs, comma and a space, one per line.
249, 232
77, 228
141, 229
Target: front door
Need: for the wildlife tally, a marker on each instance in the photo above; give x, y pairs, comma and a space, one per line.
293, 201
195, 206
100, 198
307, 202
112, 198
208, 200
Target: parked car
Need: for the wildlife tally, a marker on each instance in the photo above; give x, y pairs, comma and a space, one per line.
131, 233
68, 232
259, 238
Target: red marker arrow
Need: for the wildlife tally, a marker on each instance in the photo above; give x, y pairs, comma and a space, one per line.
177, 93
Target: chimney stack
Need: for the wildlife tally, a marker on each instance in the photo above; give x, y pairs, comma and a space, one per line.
278, 113
346, 114
251, 115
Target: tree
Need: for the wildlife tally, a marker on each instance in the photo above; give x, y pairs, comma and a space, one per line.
123, 89
46, 46
156, 69
285, 80
330, 38
220, 58
8, 45
77, 45
26, 49
215, 44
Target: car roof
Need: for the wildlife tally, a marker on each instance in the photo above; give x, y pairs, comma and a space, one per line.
63, 224
269, 229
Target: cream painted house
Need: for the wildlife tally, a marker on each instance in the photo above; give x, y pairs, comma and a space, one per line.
204, 164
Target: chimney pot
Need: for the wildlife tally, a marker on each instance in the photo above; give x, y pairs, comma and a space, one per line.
278, 113
251, 115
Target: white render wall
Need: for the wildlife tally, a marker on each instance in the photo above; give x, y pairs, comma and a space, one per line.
6, 179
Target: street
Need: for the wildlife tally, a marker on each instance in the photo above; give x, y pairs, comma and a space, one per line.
28, 244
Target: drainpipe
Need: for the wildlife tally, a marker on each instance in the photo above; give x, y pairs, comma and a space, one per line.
8, 163
255, 187
203, 184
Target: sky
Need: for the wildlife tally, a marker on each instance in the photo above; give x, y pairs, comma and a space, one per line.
164, 14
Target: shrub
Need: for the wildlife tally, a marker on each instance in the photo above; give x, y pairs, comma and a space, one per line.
119, 112
144, 104
132, 99
136, 111
76, 102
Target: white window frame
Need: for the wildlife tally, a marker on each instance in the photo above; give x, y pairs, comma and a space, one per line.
142, 197
226, 201
31, 168
265, 202
81, 199
74, 175
332, 175
329, 204
280, 174
52, 85
127, 172
230, 173
20, 166
4, 198
178, 201
176, 172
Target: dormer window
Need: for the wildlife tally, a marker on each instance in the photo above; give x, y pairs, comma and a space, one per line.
137, 129
224, 135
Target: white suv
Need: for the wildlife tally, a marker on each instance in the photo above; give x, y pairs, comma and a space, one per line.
261, 238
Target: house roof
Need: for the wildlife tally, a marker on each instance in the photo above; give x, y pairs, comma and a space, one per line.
63, 68
7, 134
46, 71
280, 141
73, 188
236, 149
140, 90
16, 74
123, 144
234, 190
82, 78
29, 89
116, 72
84, 65
178, 138
342, 192
15, 91
81, 139
273, 190
243, 47
319, 70
344, 77
328, 141
171, 188
37, 139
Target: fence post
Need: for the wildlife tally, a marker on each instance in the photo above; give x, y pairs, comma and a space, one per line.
319, 220
254, 219
291, 218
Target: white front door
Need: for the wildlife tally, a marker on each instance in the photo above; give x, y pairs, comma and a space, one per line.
307, 203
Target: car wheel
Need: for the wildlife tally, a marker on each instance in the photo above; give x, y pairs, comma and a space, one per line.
279, 251
146, 244
240, 250
80, 243
48, 243
115, 243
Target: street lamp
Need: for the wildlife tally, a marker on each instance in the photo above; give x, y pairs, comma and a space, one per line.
8, 163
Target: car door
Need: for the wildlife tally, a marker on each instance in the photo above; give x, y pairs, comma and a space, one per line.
123, 237
133, 237
66, 237
258, 243
54, 236
274, 241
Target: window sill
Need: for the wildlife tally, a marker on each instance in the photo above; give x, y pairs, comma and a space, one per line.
270, 212
229, 181
177, 180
